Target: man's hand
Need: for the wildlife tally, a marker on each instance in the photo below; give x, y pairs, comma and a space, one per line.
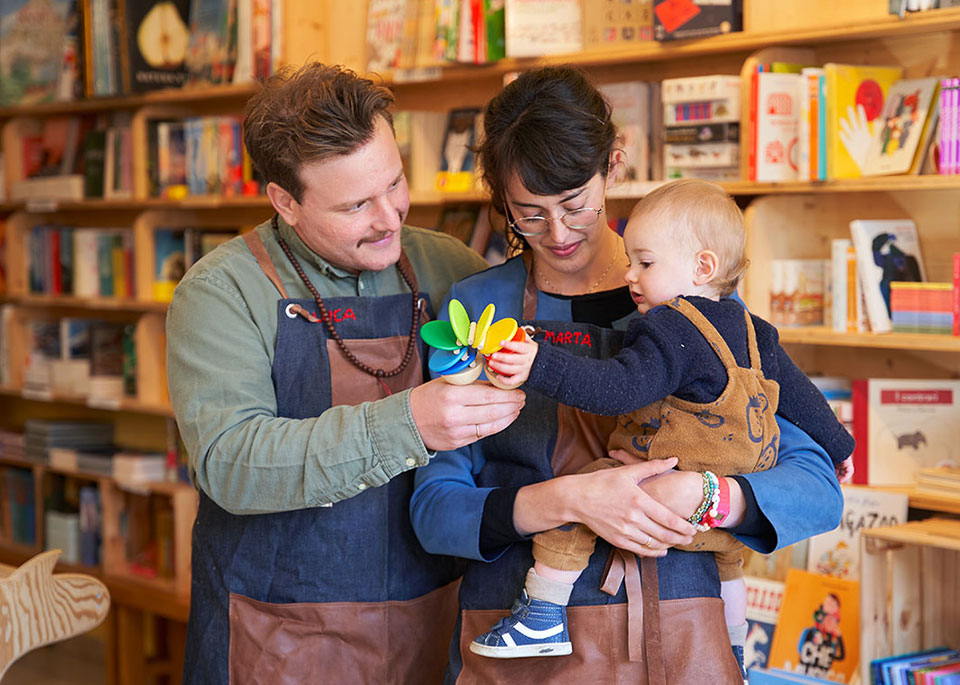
513, 361
451, 416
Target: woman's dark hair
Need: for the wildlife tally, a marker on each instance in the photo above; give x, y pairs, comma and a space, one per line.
553, 128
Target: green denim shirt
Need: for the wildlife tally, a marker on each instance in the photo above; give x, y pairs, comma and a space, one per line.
221, 334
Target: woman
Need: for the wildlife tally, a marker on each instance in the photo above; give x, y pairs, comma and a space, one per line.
547, 154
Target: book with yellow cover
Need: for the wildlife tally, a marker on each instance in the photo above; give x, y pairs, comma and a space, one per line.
855, 100
818, 633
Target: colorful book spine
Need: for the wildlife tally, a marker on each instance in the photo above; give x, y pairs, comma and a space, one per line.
955, 300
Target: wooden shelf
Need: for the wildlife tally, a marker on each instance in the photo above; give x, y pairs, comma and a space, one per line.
48, 206
88, 303
127, 405
744, 41
921, 499
820, 335
851, 185
184, 96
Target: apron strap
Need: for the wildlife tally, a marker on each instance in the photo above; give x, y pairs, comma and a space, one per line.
530, 292
652, 637
259, 250
405, 264
707, 330
644, 637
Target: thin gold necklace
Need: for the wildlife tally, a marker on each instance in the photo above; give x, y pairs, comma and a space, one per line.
616, 247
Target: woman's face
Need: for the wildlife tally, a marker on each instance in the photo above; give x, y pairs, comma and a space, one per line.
562, 251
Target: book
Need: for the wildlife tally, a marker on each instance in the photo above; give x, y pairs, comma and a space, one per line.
630, 110
542, 27
169, 249
682, 19
778, 676
855, 101
764, 598
208, 57
457, 162
774, 566
459, 221
887, 251
385, 20
34, 37
837, 552
818, 633
902, 125
156, 37
777, 128
608, 23
939, 480
903, 425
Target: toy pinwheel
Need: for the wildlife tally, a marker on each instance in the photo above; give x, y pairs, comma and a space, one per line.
463, 346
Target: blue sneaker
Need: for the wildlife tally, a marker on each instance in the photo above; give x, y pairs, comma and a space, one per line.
533, 628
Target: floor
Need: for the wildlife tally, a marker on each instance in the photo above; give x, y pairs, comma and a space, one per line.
79, 661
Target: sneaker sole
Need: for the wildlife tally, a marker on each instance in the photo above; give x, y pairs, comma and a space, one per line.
547, 649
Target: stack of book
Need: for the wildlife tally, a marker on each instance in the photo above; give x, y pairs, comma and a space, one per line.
42, 435
13, 445
940, 480
921, 307
702, 115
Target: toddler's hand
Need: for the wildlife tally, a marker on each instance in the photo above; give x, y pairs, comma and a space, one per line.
513, 361
845, 470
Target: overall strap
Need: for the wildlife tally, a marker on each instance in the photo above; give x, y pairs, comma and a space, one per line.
752, 343
707, 330
259, 250
530, 292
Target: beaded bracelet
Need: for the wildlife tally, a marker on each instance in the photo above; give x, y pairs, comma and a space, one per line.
720, 508
711, 497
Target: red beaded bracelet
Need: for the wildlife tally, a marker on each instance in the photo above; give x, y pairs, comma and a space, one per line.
720, 507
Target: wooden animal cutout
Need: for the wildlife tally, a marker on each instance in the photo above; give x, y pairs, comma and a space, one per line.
38, 607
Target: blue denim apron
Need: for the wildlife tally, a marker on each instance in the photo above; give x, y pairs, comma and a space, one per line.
548, 440
343, 593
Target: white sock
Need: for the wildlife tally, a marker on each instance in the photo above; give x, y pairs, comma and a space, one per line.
738, 634
553, 591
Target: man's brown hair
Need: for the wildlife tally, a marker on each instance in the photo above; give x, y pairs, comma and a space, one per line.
309, 115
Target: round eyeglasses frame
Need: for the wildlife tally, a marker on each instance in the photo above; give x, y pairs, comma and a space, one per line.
591, 216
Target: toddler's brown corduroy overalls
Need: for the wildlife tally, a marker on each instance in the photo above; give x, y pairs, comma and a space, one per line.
736, 433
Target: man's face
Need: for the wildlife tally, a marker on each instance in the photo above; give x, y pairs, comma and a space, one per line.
354, 205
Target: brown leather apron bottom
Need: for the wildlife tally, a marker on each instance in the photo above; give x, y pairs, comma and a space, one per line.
344, 642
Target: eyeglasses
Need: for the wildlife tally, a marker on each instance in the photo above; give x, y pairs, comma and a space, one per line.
578, 220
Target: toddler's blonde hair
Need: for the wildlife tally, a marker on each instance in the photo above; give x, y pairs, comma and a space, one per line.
702, 216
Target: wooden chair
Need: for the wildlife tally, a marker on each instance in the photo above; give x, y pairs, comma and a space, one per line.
38, 607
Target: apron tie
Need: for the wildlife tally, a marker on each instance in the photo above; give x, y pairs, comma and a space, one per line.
622, 568
643, 609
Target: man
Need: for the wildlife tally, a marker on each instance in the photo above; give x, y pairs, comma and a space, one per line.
295, 373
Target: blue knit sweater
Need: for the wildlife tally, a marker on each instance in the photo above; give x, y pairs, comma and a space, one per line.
664, 354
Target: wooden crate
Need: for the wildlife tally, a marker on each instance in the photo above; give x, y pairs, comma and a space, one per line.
909, 589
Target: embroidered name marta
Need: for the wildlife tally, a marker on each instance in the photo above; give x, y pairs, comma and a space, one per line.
567, 338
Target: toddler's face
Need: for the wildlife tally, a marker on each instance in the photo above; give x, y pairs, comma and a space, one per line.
661, 267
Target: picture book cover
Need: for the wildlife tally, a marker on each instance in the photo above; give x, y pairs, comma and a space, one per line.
384, 33
542, 27
457, 162
33, 41
778, 121
887, 251
157, 37
837, 552
169, 262
210, 55
903, 425
818, 633
764, 598
855, 101
630, 103
904, 121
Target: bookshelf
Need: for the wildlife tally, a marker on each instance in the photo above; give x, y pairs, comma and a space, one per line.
784, 219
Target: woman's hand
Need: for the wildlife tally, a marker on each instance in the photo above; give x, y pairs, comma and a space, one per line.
614, 504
